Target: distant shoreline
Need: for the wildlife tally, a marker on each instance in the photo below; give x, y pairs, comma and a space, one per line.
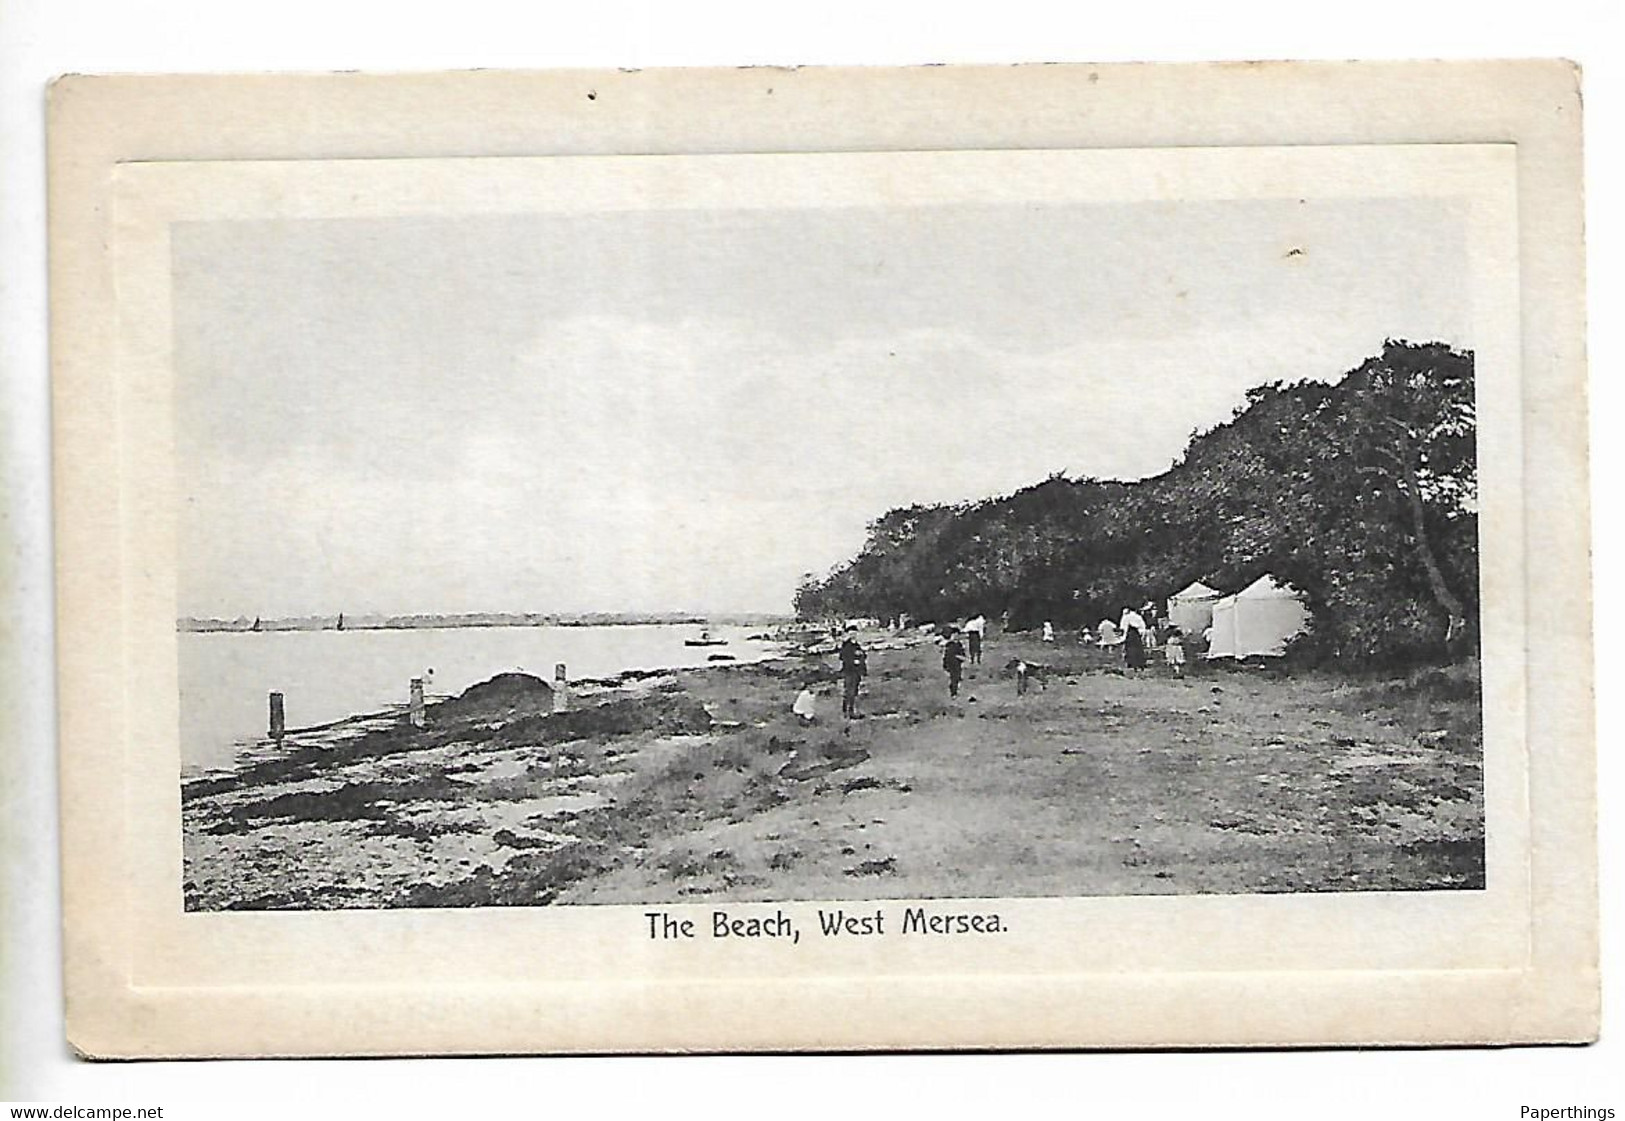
455, 622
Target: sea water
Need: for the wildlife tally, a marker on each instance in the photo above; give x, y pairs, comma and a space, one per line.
324, 676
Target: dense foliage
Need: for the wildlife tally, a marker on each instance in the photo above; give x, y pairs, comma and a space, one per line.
1360, 493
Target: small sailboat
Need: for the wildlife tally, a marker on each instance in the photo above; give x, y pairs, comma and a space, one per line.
256, 625
705, 639
341, 621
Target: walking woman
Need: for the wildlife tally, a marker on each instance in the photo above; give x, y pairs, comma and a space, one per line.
1133, 626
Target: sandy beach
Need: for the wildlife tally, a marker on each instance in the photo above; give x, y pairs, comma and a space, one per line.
700, 785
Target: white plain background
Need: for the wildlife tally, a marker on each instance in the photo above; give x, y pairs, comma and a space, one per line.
42, 38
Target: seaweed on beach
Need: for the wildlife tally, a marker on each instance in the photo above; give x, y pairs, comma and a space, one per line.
352, 802
658, 712
531, 879
503, 697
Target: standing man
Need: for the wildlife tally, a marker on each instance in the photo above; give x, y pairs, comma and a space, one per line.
975, 631
953, 656
854, 665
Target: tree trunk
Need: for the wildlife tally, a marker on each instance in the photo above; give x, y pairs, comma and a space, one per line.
1447, 600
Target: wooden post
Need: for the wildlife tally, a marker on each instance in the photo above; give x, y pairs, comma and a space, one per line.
561, 688
415, 712
278, 718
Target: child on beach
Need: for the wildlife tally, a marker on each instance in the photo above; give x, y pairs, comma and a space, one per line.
1174, 652
806, 706
953, 656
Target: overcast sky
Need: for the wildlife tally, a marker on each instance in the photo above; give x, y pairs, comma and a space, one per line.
687, 410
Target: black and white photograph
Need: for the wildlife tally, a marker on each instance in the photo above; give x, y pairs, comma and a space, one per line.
879, 550
756, 560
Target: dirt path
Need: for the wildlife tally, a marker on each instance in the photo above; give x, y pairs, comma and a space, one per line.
1100, 784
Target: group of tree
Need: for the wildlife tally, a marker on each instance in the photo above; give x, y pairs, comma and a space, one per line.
1361, 493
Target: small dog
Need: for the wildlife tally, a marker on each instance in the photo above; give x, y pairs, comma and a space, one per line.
1026, 672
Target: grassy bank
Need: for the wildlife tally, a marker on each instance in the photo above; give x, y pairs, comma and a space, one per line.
700, 785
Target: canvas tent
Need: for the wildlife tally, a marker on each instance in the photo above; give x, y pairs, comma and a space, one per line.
1258, 620
1192, 609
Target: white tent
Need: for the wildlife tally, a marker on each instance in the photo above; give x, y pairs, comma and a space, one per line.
1258, 620
1192, 609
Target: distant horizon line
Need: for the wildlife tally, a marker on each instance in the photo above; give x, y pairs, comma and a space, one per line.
444, 619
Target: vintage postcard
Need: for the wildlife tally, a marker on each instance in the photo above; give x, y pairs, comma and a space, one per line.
771, 560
